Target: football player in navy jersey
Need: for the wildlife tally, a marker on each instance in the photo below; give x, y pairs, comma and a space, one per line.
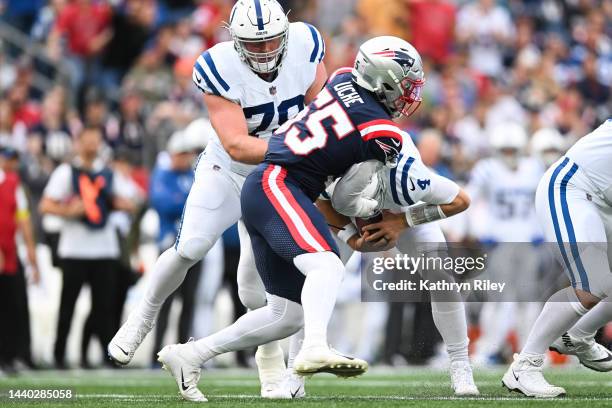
348, 122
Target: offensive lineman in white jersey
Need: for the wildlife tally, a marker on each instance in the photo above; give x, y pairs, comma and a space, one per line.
251, 86
507, 183
413, 196
574, 205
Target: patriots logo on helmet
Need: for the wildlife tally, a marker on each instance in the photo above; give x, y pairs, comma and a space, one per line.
390, 150
402, 58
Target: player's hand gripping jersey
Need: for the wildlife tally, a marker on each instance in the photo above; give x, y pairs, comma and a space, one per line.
266, 105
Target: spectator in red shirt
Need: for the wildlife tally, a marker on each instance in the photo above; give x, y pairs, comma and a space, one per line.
14, 218
86, 26
432, 24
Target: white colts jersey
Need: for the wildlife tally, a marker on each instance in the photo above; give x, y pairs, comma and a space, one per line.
412, 181
266, 105
509, 196
593, 154
407, 184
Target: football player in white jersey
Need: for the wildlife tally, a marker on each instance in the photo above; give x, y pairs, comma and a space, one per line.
412, 196
574, 206
506, 184
251, 86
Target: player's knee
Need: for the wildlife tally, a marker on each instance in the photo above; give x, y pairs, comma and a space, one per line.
319, 260
289, 314
194, 249
251, 297
294, 318
251, 290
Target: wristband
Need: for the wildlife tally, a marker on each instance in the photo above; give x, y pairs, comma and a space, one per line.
423, 213
347, 232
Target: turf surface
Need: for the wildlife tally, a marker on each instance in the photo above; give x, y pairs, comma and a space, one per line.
233, 388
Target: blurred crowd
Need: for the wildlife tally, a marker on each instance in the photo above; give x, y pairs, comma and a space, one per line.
112, 79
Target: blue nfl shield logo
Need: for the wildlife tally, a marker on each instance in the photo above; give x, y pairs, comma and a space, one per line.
272, 90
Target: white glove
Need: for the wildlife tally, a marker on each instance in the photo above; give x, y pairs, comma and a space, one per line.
365, 207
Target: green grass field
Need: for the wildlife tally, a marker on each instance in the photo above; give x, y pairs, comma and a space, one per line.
236, 388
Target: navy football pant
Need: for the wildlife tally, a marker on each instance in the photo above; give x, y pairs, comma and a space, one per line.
283, 223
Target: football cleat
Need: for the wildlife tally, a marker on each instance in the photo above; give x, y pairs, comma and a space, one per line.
122, 347
271, 374
295, 384
322, 359
525, 376
462, 379
590, 353
178, 360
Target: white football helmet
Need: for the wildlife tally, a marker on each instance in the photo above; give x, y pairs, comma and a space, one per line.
509, 141
260, 29
392, 69
548, 144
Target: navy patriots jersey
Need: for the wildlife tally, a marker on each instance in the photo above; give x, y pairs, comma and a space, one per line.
344, 125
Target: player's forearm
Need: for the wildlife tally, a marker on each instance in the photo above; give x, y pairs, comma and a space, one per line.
246, 149
425, 213
334, 219
49, 206
25, 225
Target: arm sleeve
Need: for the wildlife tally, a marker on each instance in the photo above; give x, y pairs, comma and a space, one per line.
317, 44
208, 76
441, 190
412, 182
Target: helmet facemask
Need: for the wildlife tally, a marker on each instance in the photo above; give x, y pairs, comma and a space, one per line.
410, 100
263, 55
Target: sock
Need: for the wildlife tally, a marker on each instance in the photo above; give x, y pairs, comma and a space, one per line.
295, 345
277, 320
167, 275
270, 359
560, 312
597, 317
449, 318
324, 272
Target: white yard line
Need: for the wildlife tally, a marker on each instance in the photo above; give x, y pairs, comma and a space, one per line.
204, 382
146, 397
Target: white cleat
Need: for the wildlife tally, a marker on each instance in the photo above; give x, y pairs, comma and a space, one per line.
590, 353
271, 370
122, 347
525, 376
178, 360
322, 359
295, 384
462, 379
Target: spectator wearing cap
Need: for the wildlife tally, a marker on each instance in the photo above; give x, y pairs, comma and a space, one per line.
14, 218
83, 193
170, 184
